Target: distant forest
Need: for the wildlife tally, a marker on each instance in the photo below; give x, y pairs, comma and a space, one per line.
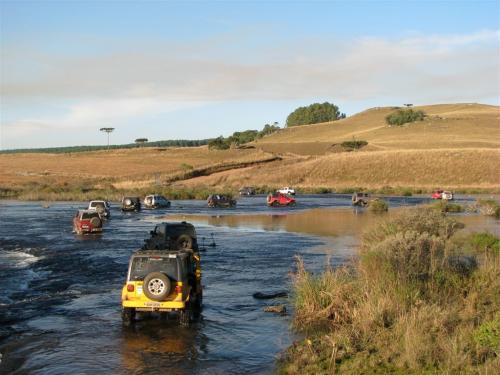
62, 150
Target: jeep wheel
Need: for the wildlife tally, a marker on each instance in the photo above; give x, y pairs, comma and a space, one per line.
185, 316
157, 286
184, 242
197, 303
128, 316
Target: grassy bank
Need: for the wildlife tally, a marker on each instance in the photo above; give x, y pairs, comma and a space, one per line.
87, 189
422, 298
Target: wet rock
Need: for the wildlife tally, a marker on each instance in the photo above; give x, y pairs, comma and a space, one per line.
277, 309
259, 295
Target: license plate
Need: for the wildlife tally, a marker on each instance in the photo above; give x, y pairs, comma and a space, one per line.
152, 304
139, 290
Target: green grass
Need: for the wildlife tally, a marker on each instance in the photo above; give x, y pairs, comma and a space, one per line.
378, 206
445, 206
414, 302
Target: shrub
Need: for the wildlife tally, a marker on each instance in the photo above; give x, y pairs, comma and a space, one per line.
404, 116
484, 242
378, 205
411, 304
489, 207
218, 143
353, 145
487, 335
444, 206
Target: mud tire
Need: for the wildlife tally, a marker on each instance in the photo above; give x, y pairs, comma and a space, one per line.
185, 316
128, 316
157, 286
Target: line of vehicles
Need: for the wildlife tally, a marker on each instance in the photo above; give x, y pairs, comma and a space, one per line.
164, 275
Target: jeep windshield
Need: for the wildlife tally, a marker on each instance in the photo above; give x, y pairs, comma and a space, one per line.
142, 266
89, 215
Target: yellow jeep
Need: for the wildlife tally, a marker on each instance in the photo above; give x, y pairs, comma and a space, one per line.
163, 281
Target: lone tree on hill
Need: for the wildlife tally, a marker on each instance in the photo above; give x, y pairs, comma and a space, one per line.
313, 114
141, 141
107, 130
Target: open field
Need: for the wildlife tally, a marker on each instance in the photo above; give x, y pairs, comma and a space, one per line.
455, 147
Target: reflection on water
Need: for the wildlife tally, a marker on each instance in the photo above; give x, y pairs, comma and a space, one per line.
330, 222
159, 343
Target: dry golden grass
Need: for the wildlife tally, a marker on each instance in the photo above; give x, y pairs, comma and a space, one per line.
424, 169
447, 126
125, 167
456, 147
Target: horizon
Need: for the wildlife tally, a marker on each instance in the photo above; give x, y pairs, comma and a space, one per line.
197, 70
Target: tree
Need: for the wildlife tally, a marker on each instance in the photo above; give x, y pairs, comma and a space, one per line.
313, 114
218, 143
141, 141
107, 130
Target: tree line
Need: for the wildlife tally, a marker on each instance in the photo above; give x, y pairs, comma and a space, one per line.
239, 138
68, 149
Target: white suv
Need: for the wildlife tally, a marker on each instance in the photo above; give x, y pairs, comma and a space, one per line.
286, 190
102, 208
156, 201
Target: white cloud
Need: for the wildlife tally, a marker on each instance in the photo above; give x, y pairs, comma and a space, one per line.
141, 80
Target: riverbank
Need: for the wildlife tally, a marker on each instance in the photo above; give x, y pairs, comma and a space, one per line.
421, 298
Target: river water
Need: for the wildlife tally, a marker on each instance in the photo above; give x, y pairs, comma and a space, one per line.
60, 298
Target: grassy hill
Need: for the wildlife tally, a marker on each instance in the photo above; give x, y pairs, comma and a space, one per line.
446, 126
455, 147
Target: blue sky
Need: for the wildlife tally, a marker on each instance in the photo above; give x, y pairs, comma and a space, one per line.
170, 70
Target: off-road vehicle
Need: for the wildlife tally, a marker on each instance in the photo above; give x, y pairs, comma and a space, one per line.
360, 199
163, 281
172, 236
247, 190
87, 221
154, 201
286, 190
279, 199
442, 194
220, 200
101, 207
131, 204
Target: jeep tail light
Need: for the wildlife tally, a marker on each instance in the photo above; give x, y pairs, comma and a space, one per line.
130, 287
178, 289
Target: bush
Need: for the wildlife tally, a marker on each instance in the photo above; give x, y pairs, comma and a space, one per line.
411, 304
487, 335
378, 205
313, 114
485, 242
404, 116
444, 206
353, 145
489, 207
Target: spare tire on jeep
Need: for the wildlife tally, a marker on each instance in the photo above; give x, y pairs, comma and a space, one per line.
96, 222
157, 286
184, 241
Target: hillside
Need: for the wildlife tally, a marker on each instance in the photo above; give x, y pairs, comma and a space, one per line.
455, 147
446, 126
